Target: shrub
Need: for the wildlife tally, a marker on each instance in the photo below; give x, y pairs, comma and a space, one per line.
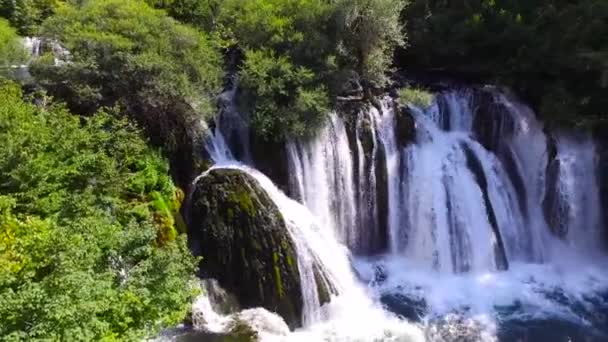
11, 49
80, 258
415, 96
284, 98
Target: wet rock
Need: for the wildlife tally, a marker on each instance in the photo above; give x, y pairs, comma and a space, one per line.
405, 126
493, 124
601, 138
413, 309
270, 157
555, 207
245, 244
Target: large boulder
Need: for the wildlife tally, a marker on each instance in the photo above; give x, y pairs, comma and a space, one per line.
245, 244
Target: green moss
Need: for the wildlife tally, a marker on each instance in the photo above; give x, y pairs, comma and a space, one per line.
289, 260
322, 287
164, 218
243, 200
277, 274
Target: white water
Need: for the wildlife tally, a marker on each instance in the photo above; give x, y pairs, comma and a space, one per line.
323, 179
457, 214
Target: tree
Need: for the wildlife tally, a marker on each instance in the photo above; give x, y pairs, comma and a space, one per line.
368, 33
552, 52
86, 252
11, 50
27, 15
165, 75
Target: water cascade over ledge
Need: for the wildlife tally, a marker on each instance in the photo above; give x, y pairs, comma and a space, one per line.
474, 225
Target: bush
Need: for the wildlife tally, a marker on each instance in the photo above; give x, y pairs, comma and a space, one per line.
83, 250
284, 97
27, 15
11, 49
415, 96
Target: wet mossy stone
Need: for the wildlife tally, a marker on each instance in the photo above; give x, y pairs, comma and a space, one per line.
245, 243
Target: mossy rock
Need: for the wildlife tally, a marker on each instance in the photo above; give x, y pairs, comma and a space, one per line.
245, 244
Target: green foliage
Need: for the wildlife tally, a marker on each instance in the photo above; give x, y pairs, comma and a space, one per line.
27, 15
283, 95
553, 52
11, 50
198, 13
134, 50
79, 252
418, 97
302, 52
287, 47
125, 53
369, 31
297, 52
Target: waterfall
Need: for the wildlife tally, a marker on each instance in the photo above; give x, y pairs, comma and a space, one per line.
33, 45
322, 176
576, 192
454, 204
230, 136
480, 214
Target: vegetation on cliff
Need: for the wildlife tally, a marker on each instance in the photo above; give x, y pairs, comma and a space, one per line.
11, 50
86, 253
298, 54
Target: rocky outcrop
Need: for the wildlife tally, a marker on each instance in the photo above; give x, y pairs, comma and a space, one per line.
270, 157
245, 245
405, 126
370, 177
492, 123
555, 207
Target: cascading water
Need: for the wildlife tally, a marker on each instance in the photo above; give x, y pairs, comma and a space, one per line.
464, 201
323, 178
484, 227
351, 314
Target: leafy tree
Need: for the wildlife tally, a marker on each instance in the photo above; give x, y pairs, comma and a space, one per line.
552, 52
85, 254
303, 52
11, 50
369, 31
285, 97
27, 15
199, 13
125, 53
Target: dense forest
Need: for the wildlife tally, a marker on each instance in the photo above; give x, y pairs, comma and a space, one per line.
102, 138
